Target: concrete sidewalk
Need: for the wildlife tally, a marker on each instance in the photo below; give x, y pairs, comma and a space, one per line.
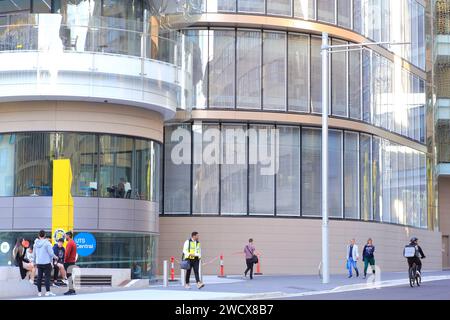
262, 287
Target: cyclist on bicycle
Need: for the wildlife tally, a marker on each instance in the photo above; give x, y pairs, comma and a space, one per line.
419, 255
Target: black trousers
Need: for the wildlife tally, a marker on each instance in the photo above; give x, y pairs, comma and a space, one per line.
417, 261
195, 263
44, 270
250, 265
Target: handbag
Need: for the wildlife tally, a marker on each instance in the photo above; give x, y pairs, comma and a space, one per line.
185, 264
255, 259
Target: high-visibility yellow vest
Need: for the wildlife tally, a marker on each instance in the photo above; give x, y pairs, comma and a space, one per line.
194, 248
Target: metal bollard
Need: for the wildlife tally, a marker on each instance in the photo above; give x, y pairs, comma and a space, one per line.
200, 273
166, 279
183, 277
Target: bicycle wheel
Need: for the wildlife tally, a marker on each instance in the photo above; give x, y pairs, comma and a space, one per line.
412, 277
418, 280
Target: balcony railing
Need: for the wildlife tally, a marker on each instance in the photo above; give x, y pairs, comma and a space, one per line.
40, 49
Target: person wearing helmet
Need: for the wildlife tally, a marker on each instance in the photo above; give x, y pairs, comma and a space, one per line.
419, 254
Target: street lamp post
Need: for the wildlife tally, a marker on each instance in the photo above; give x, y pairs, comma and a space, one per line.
325, 51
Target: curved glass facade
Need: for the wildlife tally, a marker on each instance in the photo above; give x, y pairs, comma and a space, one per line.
103, 165
378, 20
275, 170
114, 250
278, 71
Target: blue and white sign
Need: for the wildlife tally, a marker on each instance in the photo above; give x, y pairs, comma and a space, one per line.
86, 244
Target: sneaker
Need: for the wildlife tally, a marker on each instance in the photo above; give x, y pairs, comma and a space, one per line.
70, 293
200, 285
350, 277
64, 281
31, 281
187, 286
50, 294
39, 294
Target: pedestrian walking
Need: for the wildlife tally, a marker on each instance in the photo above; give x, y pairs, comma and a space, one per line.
352, 258
193, 254
70, 258
43, 256
369, 257
250, 258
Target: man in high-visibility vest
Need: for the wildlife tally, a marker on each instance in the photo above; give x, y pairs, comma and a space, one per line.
193, 253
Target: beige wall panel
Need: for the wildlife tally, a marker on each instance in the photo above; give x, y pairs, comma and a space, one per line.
81, 117
292, 246
444, 212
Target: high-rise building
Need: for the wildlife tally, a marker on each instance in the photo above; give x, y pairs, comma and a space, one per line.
183, 116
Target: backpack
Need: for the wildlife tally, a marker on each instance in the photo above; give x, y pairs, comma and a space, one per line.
410, 251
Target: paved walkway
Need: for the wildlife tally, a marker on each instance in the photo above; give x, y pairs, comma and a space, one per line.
262, 287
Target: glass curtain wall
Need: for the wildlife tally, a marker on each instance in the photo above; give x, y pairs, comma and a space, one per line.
279, 71
275, 170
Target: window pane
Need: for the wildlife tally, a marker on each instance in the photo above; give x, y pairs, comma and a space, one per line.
177, 169
339, 82
81, 149
205, 184
355, 84
234, 170
145, 170
316, 75
281, 7
221, 6
423, 191
253, 6
288, 175
335, 174
386, 180
344, 13
395, 201
7, 164
249, 69
351, 181
41, 6
221, 68
366, 177
366, 86
14, 6
298, 62
305, 9
376, 178
326, 11
357, 16
274, 71
115, 167
311, 172
409, 186
33, 163
199, 40
261, 178
401, 186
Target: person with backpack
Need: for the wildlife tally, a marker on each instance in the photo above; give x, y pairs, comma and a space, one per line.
193, 254
250, 258
417, 254
43, 256
368, 257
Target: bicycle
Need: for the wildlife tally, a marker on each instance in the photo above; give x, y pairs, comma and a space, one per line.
414, 276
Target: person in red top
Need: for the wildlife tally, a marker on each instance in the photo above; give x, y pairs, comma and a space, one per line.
70, 258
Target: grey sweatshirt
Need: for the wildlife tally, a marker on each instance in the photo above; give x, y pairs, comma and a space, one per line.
43, 252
